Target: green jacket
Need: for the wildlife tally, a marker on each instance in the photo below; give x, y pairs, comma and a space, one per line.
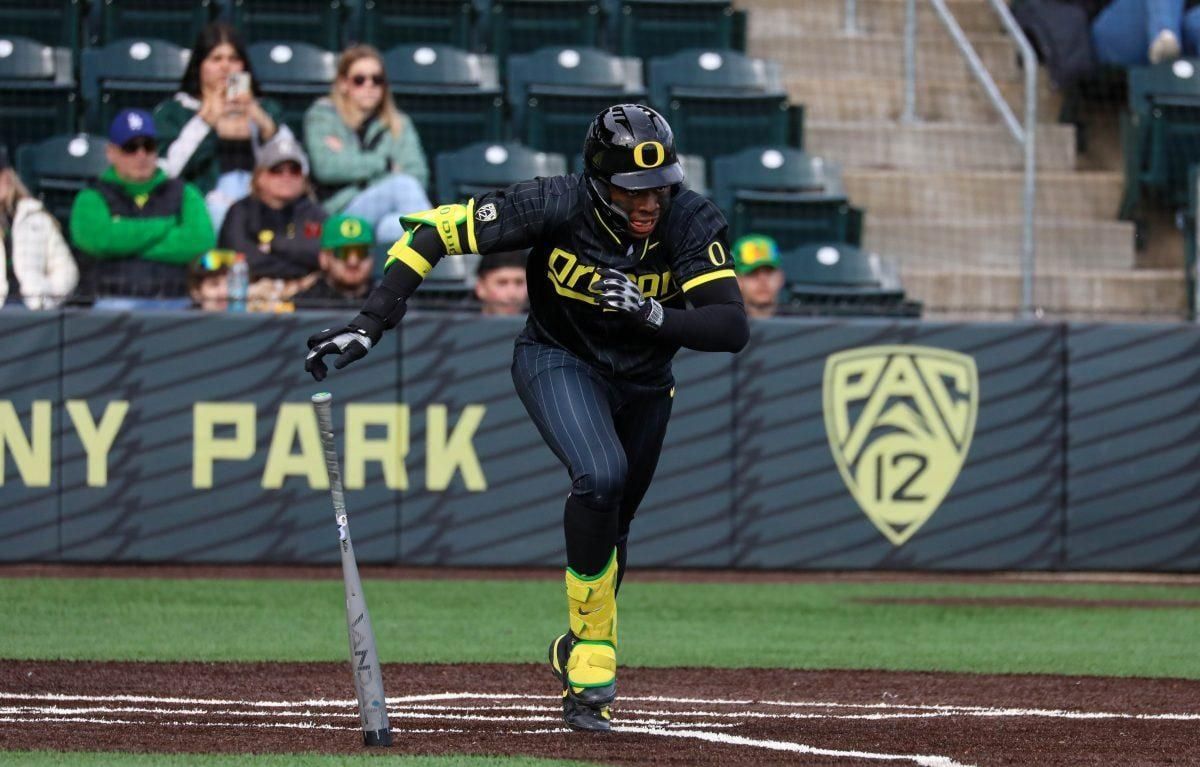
168, 239
358, 164
188, 145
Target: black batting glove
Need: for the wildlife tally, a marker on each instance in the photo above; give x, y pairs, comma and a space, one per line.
618, 292
350, 343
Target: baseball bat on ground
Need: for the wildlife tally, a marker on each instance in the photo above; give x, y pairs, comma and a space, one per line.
364, 659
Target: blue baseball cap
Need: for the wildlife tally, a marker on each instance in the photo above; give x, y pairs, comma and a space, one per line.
130, 124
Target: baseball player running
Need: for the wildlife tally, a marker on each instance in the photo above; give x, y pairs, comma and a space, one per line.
619, 253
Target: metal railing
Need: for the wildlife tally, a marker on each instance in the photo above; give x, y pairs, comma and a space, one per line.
1025, 134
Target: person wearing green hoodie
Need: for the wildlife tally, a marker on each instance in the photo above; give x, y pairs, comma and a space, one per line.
137, 228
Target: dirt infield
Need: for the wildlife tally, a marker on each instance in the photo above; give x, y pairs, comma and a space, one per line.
664, 716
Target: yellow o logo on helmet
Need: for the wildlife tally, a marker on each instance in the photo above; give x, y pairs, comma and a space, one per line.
351, 228
639, 154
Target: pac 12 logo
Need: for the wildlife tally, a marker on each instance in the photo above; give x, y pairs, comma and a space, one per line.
899, 421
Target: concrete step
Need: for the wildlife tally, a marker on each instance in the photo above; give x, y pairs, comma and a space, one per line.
874, 16
936, 146
863, 99
982, 194
835, 55
996, 243
1143, 294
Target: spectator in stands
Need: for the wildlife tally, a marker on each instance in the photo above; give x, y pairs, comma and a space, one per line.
500, 283
140, 228
367, 156
208, 280
37, 270
278, 227
214, 125
346, 265
1130, 33
759, 274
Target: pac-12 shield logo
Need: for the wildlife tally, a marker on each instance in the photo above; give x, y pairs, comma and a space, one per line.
899, 421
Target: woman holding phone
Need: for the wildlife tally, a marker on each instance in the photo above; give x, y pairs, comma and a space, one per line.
211, 130
367, 158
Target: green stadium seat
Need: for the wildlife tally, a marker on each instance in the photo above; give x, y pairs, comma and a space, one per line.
293, 73
316, 22
783, 192
51, 22
129, 73
37, 89
1160, 133
453, 97
555, 92
176, 21
647, 28
388, 23
57, 168
484, 167
836, 278
721, 101
522, 26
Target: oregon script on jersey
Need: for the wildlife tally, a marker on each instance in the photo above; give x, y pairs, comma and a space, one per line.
569, 243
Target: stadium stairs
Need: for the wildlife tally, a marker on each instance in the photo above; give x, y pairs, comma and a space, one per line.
943, 195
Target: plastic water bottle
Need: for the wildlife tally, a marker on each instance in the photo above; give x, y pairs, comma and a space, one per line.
239, 284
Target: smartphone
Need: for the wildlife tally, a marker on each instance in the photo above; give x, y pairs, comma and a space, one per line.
237, 85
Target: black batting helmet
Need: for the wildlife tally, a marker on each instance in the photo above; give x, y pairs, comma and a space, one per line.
632, 147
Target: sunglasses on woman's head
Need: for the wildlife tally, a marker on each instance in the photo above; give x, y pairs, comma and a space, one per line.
361, 80
140, 144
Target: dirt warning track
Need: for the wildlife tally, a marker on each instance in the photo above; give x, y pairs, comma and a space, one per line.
664, 716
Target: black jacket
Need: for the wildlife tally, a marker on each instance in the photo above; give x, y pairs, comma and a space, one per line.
280, 243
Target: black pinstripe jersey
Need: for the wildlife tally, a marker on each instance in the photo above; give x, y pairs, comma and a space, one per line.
569, 241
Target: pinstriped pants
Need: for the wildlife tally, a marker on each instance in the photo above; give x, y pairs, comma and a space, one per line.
607, 432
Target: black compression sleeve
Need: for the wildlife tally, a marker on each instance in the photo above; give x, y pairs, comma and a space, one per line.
716, 323
387, 303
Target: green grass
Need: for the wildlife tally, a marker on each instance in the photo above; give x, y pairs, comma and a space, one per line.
97, 759
662, 624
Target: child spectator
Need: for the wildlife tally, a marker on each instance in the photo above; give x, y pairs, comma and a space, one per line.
37, 270
759, 274
500, 283
213, 126
346, 266
367, 156
208, 280
140, 227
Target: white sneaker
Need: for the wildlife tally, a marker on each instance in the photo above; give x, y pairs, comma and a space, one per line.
1164, 48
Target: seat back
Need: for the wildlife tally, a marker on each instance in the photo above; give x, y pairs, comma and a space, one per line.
129, 73
648, 28
37, 89
293, 73
777, 170
555, 92
176, 21
829, 265
51, 22
453, 97
522, 26
484, 167
57, 168
388, 23
1174, 80
316, 22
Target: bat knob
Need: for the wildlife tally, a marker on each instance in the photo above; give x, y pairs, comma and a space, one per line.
378, 738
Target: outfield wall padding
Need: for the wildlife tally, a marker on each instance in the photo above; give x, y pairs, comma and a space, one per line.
179, 437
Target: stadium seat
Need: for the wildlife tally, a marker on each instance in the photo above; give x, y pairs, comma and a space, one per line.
129, 73
388, 23
838, 278
721, 101
555, 92
1160, 133
51, 22
57, 168
293, 73
316, 22
486, 166
521, 26
453, 97
646, 28
784, 193
37, 89
176, 21
695, 172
